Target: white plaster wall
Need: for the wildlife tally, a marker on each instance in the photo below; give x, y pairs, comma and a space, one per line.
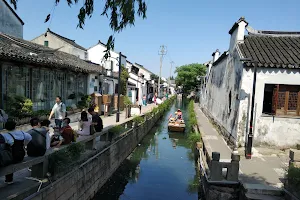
92, 82
280, 131
54, 42
96, 54
9, 23
224, 78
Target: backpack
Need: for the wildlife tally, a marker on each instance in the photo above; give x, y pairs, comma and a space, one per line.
17, 149
6, 157
61, 108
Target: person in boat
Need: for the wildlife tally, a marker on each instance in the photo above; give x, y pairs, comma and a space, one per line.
179, 114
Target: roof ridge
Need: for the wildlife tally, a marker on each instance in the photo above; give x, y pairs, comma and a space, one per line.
48, 30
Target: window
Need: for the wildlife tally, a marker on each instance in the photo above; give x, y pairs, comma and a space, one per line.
46, 43
85, 55
134, 70
282, 100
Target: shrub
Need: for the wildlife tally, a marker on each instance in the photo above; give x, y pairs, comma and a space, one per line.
193, 138
20, 107
116, 130
138, 119
127, 101
60, 160
293, 176
85, 102
192, 114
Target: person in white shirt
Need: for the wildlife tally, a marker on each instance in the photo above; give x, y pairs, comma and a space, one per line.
84, 124
59, 110
17, 140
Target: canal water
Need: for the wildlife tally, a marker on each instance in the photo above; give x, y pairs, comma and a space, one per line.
160, 168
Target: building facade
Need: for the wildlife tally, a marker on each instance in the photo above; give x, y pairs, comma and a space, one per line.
56, 41
228, 92
10, 22
40, 74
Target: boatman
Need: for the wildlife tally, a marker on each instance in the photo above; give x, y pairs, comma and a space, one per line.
179, 114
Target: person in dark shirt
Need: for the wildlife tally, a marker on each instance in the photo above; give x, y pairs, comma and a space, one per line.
67, 132
96, 120
38, 145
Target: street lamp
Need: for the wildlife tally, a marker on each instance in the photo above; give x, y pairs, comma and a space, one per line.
250, 134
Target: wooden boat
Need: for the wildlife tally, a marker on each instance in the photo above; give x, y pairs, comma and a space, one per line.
176, 125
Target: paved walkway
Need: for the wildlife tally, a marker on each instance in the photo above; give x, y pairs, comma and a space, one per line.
266, 168
20, 181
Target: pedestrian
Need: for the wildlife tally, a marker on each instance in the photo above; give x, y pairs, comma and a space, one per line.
38, 145
154, 98
67, 132
45, 124
144, 100
96, 120
17, 140
3, 118
84, 124
59, 110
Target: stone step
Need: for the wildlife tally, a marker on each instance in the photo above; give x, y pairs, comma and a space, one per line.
250, 196
262, 189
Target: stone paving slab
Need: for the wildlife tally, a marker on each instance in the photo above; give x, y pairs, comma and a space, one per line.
215, 141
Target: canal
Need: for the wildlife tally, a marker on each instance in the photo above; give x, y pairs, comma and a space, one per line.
161, 167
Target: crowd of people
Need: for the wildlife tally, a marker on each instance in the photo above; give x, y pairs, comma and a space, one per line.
15, 144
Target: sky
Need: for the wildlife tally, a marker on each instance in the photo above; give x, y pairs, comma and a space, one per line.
191, 29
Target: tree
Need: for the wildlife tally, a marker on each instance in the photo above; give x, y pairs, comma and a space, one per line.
187, 75
172, 78
121, 13
124, 78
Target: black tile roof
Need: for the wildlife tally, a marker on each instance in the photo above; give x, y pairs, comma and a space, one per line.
16, 49
71, 42
272, 50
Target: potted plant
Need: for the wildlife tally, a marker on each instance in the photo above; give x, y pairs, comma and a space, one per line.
127, 104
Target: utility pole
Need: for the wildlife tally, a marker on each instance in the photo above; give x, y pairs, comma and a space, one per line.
170, 76
119, 87
162, 52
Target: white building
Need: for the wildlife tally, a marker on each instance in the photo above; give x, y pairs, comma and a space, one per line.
228, 92
56, 41
96, 54
138, 82
10, 22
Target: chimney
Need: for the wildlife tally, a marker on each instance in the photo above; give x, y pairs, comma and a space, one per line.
237, 33
216, 55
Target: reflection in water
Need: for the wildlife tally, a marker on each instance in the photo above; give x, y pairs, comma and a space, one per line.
159, 168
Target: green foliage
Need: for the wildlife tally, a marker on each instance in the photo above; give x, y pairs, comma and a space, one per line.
60, 160
127, 101
20, 107
293, 176
41, 113
192, 114
85, 102
116, 130
124, 78
120, 13
193, 138
154, 77
69, 108
138, 119
187, 75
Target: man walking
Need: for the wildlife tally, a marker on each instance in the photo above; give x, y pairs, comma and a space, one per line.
59, 110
